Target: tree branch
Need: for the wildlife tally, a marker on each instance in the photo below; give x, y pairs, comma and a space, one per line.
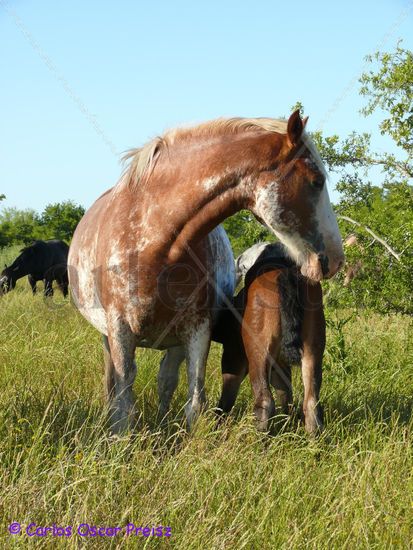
366, 228
403, 168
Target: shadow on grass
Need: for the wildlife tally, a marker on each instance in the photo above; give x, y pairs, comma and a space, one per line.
382, 407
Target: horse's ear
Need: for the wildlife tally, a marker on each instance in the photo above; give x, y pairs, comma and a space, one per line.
5, 265
305, 120
295, 128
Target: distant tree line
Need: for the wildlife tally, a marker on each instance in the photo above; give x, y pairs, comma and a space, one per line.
57, 221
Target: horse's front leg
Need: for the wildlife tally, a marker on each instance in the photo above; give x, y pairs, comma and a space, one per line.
197, 344
168, 377
311, 373
32, 283
313, 336
120, 373
234, 367
260, 350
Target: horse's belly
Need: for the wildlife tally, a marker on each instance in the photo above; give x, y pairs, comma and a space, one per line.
150, 315
84, 276
85, 295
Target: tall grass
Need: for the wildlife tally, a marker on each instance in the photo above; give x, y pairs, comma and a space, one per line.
219, 487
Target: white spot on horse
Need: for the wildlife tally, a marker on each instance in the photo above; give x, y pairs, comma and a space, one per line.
267, 205
210, 183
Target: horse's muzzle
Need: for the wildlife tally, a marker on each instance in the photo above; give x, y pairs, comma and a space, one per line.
330, 266
320, 266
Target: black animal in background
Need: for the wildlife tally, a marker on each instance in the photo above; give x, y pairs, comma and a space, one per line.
42, 261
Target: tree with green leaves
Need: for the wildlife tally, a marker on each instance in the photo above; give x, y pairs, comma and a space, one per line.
244, 231
59, 220
18, 226
377, 189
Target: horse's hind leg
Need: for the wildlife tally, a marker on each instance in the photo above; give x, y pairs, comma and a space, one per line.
63, 284
196, 350
234, 368
168, 377
259, 330
120, 375
281, 381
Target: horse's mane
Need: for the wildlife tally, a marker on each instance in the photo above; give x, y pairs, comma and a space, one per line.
29, 246
141, 161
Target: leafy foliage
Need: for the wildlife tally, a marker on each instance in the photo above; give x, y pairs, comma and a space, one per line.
376, 191
390, 89
18, 226
58, 221
244, 231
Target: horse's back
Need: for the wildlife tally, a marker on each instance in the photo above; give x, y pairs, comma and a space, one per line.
46, 258
257, 253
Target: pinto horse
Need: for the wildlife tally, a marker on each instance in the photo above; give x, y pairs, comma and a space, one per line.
146, 266
277, 320
42, 261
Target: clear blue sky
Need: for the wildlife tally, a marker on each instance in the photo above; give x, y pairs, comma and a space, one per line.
81, 80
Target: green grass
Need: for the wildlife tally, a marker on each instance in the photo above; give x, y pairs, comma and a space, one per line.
226, 487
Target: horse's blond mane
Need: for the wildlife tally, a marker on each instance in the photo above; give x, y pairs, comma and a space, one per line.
141, 161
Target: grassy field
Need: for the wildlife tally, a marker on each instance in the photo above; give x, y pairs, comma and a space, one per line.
226, 487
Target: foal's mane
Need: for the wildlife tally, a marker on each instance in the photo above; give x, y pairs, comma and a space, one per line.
141, 161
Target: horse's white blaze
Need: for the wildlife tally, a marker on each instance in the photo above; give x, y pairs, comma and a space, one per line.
327, 225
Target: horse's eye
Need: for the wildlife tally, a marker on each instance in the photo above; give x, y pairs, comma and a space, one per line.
317, 183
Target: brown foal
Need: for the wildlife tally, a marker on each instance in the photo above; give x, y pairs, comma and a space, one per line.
277, 321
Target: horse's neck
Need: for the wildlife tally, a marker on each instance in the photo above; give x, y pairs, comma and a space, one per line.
184, 206
204, 218
18, 269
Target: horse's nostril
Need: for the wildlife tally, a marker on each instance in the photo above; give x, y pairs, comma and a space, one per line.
324, 263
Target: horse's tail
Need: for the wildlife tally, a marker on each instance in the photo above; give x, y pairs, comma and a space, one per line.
292, 314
